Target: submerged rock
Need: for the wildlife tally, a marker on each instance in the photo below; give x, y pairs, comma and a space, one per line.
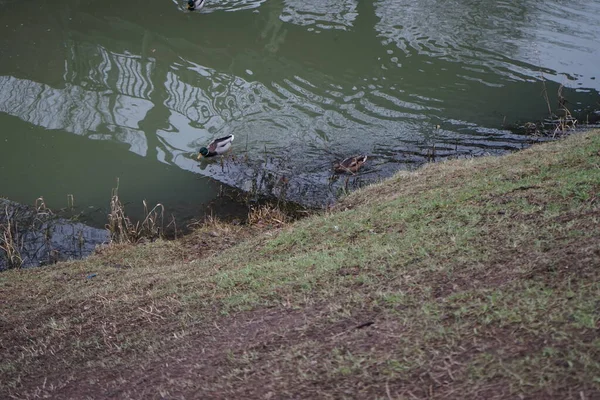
30, 237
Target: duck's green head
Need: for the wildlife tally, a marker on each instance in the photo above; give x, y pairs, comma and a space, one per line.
190, 5
203, 152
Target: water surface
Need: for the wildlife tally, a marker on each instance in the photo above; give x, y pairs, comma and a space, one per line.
95, 91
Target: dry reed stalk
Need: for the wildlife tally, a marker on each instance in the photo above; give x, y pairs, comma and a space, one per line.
267, 215
9, 242
123, 230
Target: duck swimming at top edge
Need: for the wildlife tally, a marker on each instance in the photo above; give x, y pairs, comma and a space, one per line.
195, 4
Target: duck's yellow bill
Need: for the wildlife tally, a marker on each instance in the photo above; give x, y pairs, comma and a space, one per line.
200, 156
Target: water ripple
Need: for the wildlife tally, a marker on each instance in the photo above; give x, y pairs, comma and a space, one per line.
390, 78
468, 32
320, 14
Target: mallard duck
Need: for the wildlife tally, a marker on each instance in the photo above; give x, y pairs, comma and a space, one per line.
216, 147
350, 164
195, 4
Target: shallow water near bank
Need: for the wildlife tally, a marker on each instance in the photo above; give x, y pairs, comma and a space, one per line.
95, 91
31, 237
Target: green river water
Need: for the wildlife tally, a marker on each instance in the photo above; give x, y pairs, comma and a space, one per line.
92, 91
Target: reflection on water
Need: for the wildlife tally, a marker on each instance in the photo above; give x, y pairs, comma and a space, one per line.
98, 115
320, 14
300, 84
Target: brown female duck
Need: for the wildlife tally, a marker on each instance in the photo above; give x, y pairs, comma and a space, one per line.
350, 164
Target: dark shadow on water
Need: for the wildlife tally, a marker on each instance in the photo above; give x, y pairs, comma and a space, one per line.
30, 237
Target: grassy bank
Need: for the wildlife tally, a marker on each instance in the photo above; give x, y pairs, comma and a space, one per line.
465, 279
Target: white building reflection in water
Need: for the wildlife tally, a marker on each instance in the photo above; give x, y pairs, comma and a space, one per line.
98, 115
107, 100
108, 96
302, 116
320, 14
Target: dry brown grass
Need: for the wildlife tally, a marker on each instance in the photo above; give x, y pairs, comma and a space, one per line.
267, 215
123, 230
560, 122
10, 241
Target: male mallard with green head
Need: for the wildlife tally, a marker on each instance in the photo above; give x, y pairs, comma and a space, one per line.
216, 147
350, 164
195, 4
